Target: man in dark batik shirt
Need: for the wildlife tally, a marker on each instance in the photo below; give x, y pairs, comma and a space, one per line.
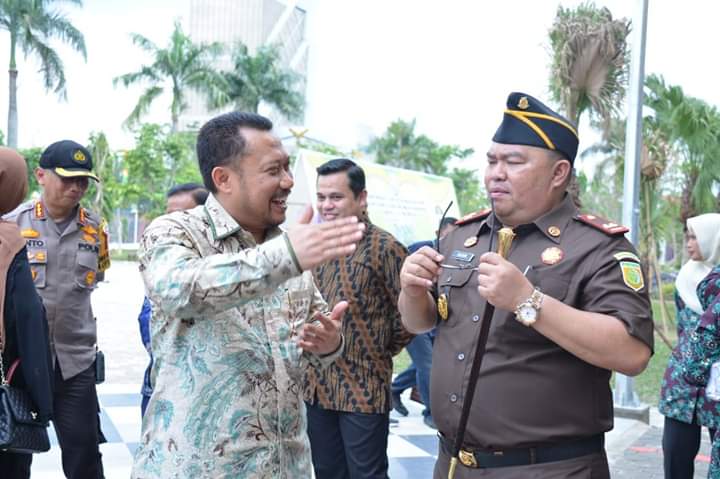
349, 402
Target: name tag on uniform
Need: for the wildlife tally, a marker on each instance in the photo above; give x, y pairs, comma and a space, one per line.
88, 247
464, 256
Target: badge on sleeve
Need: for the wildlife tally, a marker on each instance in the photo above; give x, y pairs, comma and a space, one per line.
632, 275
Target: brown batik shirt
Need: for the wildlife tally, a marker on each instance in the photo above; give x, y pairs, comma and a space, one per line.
369, 279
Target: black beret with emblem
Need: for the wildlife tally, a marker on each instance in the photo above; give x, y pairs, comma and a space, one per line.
527, 121
68, 159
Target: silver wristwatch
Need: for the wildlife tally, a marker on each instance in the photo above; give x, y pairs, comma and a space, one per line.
527, 311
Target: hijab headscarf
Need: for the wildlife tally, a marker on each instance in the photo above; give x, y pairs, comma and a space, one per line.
706, 229
13, 188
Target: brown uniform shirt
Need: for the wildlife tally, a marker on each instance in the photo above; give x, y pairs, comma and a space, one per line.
530, 390
369, 279
66, 266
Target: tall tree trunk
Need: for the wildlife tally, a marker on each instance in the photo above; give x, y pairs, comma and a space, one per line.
12, 110
687, 207
175, 122
652, 257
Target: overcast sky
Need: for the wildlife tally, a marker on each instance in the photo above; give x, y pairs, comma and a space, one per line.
450, 64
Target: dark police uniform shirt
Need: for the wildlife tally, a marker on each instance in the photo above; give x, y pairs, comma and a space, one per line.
530, 390
66, 266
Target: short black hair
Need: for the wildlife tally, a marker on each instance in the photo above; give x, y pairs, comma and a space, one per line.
355, 174
200, 196
220, 141
184, 188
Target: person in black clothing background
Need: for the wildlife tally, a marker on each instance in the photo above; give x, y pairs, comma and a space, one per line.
21, 310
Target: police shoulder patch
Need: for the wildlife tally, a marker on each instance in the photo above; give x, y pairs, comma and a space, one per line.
606, 226
469, 218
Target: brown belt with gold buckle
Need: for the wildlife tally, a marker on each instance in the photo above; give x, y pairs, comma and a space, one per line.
560, 451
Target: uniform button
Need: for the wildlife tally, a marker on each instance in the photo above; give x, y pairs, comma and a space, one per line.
476, 318
453, 398
461, 356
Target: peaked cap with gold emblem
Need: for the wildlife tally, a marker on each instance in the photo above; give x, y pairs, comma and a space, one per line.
68, 159
527, 121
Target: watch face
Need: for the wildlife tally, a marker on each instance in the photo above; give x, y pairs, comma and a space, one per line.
527, 315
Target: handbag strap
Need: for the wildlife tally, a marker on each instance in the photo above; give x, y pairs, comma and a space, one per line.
5, 380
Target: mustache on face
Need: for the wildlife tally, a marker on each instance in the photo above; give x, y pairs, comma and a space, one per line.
281, 195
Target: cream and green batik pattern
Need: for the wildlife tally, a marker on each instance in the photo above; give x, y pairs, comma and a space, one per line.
228, 399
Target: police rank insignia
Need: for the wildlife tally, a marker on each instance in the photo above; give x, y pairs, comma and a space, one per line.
552, 255
442, 307
471, 241
30, 233
632, 275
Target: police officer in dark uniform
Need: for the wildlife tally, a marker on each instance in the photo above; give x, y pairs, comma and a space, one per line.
571, 305
68, 254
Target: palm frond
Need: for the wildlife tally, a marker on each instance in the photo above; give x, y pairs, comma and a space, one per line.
143, 105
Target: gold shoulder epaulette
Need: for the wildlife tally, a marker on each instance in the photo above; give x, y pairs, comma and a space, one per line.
606, 226
477, 215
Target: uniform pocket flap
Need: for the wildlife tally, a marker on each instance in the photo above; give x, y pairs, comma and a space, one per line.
455, 277
87, 260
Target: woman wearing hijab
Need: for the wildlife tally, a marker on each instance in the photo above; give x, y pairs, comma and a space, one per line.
704, 350
682, 402
21, 311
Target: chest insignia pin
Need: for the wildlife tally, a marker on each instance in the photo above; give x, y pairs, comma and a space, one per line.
554, 231
552, 255
471, 241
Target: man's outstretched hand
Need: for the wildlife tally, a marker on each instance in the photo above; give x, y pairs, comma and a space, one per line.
315, 244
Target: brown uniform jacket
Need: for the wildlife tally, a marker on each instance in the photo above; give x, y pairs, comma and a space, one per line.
369, 279
530, 390
65, 268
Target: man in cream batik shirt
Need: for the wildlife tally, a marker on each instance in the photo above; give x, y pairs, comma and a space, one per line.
236, 316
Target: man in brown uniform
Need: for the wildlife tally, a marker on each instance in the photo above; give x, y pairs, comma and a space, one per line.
571, 306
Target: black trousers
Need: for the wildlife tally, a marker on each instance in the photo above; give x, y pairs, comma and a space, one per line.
348, 445
15, 466
681, 443
77, 424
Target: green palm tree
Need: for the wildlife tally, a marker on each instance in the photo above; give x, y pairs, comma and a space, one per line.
182, 66
258, 78
694, 128
32, 24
